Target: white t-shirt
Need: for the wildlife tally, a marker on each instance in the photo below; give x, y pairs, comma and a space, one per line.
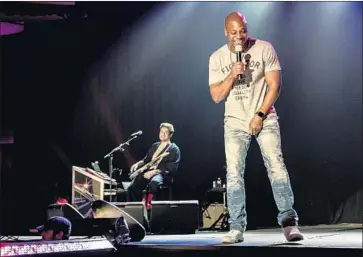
247, 95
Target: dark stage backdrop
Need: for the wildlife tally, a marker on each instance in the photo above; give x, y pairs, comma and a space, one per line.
74, 90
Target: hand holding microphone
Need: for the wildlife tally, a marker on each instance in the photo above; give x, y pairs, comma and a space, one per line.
237, 70
238, 67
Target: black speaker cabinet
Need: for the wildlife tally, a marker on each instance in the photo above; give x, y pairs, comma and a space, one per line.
136, 210
174, 217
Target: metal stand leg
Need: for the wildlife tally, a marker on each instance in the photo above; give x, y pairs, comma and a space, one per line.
223, 218
110, 169
225, 224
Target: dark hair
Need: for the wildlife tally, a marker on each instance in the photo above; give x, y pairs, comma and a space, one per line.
169, 126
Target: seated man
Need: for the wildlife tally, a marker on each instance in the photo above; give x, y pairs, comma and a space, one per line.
56, 228
163, 170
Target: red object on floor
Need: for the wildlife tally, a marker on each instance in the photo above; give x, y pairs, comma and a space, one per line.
62, 201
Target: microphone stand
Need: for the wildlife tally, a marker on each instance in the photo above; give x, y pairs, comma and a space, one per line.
110, 159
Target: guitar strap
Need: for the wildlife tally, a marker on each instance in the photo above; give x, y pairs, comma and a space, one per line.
158, 152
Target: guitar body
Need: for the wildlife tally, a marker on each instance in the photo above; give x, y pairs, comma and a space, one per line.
139, 171
148, 166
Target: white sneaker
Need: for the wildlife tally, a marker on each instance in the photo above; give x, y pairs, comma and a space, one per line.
233, 236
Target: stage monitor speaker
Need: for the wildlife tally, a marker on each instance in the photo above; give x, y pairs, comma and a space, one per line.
179, 217
64, 210
80, 226
136, 210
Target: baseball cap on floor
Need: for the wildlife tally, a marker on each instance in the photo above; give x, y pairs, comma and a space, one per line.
57, 224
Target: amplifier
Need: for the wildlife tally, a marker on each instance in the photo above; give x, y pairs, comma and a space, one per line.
179, 217
212, 216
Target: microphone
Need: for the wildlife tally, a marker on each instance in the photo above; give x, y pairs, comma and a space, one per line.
238, 49
138, 133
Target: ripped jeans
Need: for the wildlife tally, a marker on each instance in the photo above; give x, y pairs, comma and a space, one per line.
237, 142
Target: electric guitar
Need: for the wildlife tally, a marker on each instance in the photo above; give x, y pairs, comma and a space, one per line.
148, 166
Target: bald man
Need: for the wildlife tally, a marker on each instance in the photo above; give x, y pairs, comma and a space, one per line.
249, 89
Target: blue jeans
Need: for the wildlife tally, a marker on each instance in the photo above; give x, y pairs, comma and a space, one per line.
237, 142
134, 191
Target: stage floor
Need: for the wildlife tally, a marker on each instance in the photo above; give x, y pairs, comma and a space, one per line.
323, 236
333, 240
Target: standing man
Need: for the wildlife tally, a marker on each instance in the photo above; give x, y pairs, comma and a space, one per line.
162, 172
250, 88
